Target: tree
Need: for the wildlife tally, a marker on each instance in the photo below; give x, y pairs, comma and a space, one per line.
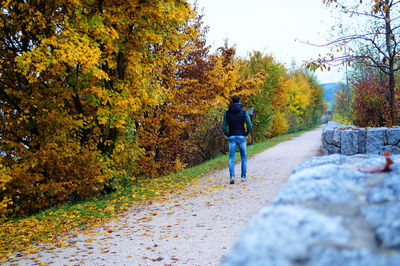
270, 100
305, 104
371, 39
73, 77
285, 101
343, 106
370, 104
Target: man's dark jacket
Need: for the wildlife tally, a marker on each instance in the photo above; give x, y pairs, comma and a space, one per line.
234, 120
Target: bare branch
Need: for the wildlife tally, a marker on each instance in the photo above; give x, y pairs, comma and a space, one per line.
395, 28
396, 3
378, 47
339, 40
346, 10
382, 67
394, 19
375, 66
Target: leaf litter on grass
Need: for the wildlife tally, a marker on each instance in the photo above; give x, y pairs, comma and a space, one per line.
65, 224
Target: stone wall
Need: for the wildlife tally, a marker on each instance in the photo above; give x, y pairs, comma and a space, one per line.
349, 140
328, 213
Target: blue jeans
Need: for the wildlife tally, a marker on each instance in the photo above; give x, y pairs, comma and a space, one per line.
241, 142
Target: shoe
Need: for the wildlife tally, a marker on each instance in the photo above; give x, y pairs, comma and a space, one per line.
232, 181
244, 179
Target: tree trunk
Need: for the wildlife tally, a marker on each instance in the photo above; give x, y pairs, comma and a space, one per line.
391, 55
393, 109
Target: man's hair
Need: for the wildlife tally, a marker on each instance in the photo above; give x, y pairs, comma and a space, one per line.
235, 99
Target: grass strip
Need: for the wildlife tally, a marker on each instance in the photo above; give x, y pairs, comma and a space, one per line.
21, 233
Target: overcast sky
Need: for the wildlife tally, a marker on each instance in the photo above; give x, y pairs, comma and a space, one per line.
272, 27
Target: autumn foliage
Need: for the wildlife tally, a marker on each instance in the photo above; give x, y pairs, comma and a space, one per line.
174, 131
286, 101
366, 102
98, 93
371, 106
343, 106
75, 76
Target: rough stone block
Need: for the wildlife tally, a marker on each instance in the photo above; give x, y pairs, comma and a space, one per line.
375, 140
294, 229
327, 136
393, 136
362, 138
395, 149
321, 217
331, 135
330, 171
385, 218
332, 149
350, 257
321, 190
349, 142
392, 149
321, 160
323, 183
324, 142
336, 138
388, 191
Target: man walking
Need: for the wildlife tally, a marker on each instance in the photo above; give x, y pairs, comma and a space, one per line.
234, 129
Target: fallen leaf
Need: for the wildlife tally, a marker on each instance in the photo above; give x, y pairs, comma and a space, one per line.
157, 259
377, 168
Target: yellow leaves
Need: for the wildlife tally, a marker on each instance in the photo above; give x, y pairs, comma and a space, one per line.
279, 125
5, 3
5, 179
75, 2
68, 48
4, 204
74, 49
284, 101
152, 37
386, 9
298, 92
109, 208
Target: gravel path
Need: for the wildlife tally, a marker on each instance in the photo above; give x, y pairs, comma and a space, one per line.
197, 227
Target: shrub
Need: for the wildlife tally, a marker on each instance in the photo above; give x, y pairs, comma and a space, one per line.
371, 106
